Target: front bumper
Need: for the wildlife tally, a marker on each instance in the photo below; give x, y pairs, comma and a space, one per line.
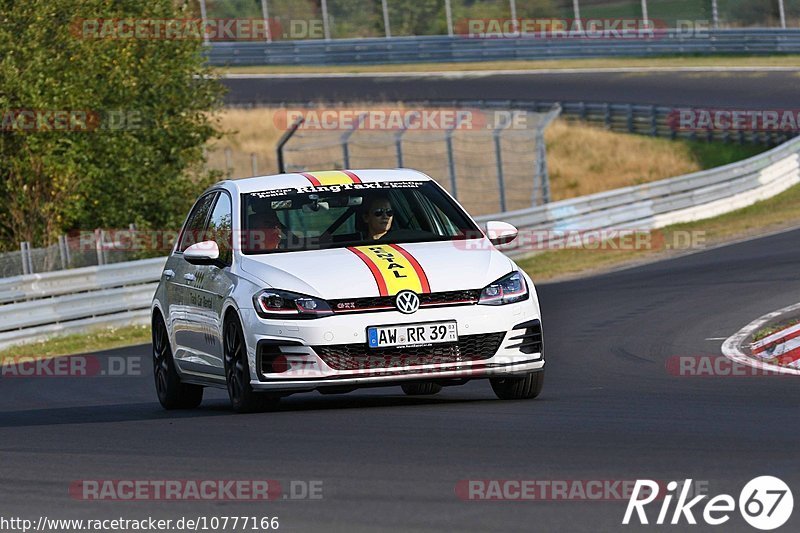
297, 355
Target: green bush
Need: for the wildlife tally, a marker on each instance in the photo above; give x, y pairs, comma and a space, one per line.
140, 158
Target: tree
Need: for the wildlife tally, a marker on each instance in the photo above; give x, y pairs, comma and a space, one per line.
137, 115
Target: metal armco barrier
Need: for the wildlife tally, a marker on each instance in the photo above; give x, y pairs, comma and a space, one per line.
463, 48
41, 305
654, 205
37, 306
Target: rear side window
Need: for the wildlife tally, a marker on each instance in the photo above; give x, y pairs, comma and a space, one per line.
196, 223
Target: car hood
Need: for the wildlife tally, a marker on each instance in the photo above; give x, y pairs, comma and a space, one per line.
381, 270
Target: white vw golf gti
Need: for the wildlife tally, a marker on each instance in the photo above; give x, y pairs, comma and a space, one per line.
337, 280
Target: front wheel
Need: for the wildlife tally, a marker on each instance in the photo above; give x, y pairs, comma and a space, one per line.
244, 398
172, 394
518, 388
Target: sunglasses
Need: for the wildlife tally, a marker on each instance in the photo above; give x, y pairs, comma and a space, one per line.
380, 212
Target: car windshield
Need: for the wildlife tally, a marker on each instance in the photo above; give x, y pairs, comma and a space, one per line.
336, 216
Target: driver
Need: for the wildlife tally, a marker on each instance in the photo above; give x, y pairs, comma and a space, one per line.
378, 217
266, 231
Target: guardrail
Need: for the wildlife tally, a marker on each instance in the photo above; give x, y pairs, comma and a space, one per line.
464, 48
37, 306
41, 305
654, 205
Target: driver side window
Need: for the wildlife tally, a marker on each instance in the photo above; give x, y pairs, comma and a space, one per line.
196, 223
220, 229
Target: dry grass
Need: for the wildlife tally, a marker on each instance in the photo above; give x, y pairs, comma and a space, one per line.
249, 131
587, 159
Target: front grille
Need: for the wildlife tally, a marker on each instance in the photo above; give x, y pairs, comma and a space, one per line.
360, 357
386, 303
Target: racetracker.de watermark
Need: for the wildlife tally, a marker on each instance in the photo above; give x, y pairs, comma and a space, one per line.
714, 366
553, 490
195, 29
74, 366
581, 28
405, 119
733, 120
597, 240
532, 240
69, 120
243, 490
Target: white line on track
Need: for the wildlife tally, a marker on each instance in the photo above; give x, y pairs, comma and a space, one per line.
731, 348
459, 74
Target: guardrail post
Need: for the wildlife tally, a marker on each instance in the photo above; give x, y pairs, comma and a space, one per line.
541, 173
714, 14
782, 13
24, 250
254, 163
386, 26
345, 138
62, 251
66, 251
541, 168
98, 246
448, 12
326, 28
607, 115
398, 140
283, 140
498, 155
265, 14
451, 164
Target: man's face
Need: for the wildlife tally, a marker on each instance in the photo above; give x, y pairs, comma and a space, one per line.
379, 217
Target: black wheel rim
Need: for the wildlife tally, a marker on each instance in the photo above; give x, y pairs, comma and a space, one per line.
234, 362
160, 358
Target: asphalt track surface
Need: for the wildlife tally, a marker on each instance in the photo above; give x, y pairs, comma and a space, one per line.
609, 411
732, 89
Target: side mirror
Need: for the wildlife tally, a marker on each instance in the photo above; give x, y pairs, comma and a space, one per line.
500, 232
202, 253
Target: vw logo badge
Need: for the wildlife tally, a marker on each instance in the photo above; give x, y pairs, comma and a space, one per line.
407, 302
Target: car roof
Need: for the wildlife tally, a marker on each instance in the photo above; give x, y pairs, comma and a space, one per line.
297, 179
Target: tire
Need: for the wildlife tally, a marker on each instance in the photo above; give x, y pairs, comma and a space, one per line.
172, 394
244, 399
421, 389
518, 388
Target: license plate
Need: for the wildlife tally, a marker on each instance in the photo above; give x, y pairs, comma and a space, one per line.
412, 334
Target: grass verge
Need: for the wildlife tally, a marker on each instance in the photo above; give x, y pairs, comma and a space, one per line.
667, 61
101, 339
773, 214
774, 328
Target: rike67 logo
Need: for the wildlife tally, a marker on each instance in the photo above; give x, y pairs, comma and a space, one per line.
765, 503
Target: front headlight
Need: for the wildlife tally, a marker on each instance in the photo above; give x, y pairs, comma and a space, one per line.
508, 289
275, 303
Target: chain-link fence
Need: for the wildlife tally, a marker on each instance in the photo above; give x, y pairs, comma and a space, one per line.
85, 248
491, 160
335, 19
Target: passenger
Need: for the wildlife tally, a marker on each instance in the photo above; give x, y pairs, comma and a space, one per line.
378, 217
